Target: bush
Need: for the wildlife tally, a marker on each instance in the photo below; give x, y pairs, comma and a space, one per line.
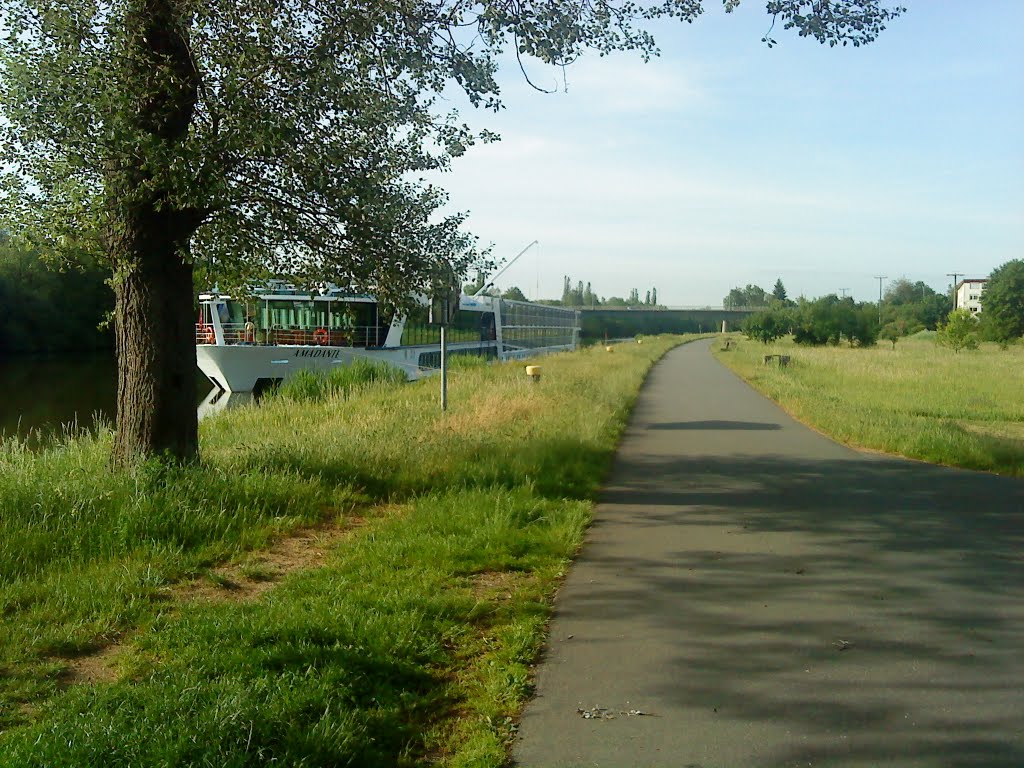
960, 331
767, 326
829, 320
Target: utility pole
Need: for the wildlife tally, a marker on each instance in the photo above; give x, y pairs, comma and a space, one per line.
954, 275
844, 291
880, 278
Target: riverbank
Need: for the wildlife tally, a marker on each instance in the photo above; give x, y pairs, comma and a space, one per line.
917, 400
364, 581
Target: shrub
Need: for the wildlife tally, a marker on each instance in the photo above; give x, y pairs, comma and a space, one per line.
960, 331
767, 326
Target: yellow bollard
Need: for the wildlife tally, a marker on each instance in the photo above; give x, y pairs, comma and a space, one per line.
533, 373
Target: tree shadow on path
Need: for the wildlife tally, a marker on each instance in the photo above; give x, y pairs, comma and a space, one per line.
858, 611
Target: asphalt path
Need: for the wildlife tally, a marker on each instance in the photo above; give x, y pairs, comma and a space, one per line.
753, 594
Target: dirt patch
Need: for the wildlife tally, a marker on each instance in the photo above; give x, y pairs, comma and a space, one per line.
496, 585
261, 570
238, 582
90, 667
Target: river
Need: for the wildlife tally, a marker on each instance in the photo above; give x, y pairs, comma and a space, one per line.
50, 395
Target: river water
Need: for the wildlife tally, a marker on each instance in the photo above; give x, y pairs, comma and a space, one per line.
50, 395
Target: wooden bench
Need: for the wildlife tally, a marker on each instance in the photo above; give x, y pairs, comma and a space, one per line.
782, 360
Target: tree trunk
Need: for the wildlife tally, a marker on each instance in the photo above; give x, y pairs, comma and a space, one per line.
148, 237
156, 346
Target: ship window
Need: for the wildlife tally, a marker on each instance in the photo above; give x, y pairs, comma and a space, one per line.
467, 326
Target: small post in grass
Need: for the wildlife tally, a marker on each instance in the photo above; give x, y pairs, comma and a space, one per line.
444, 370
444, 304
533, 374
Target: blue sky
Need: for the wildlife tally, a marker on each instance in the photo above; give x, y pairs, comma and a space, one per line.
723, 162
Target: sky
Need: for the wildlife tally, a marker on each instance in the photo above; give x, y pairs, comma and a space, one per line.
724, 162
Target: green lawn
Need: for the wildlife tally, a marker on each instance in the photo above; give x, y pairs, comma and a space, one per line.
356, 581
918, 400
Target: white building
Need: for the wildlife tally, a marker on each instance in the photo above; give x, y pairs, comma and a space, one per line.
967, 294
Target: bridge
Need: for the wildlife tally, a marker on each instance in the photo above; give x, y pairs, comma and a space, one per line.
617, 322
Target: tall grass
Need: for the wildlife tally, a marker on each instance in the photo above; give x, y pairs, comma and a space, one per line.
314, 387
412, 644
918, 400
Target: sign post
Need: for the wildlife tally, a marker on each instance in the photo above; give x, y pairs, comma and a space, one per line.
444, 303
444, 370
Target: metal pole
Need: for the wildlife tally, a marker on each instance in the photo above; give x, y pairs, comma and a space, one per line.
954, 275
880, 278
444, 370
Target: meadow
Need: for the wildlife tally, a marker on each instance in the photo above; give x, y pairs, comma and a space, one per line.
917, 400
349, 577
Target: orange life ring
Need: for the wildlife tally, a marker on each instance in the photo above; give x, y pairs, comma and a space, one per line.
320, 336
209, 335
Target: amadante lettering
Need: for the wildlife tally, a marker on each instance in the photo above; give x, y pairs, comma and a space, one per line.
317, 353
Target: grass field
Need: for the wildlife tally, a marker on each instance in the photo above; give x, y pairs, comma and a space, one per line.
918, 400
348, 578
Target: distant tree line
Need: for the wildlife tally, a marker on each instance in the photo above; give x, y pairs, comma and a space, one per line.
48, 309
906, 308
577, 294
755, 296
828, 320
580, 295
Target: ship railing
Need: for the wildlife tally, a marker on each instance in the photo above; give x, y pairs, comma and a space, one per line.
204, 334
356, 336
249, 333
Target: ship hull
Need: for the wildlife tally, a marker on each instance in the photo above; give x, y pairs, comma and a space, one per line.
247, 367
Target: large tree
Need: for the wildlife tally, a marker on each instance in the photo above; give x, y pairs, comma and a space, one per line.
913, 306
1002, 301
249, 137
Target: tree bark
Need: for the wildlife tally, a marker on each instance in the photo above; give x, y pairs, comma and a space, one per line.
148, 239
156, 345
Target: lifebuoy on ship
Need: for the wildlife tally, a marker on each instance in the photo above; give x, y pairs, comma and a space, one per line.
320, 336
209, 335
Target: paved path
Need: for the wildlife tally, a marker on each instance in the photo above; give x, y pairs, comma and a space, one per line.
770, 598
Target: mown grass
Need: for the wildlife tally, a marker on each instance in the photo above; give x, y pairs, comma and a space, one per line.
918, 400
411, 645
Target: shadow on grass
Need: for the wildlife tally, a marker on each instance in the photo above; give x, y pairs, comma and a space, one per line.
555, 469
318, 701
878, 599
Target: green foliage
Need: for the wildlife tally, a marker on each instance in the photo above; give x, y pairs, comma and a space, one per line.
960, 331
751, 296
1002, 301
779, 291
768, 326
46, 310
514, 294
915, 305
893, 332
830, 320
578, 295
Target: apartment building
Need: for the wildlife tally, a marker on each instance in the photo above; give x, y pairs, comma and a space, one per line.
967, 294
